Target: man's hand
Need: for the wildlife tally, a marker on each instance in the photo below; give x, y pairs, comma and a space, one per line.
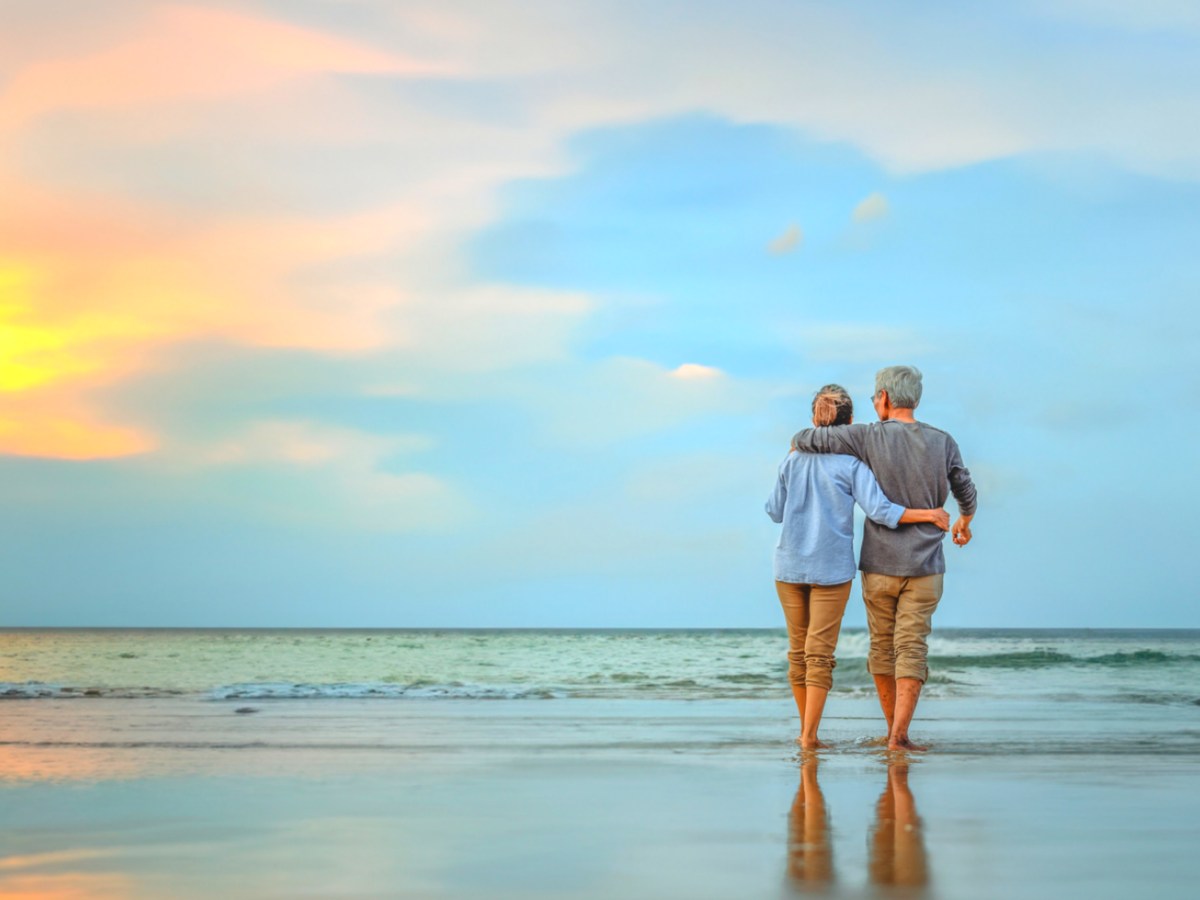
941, 519
961, 533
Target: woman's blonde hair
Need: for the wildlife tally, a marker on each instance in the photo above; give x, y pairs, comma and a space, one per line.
832, 406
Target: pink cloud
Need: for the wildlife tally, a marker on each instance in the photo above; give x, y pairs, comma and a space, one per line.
188, 53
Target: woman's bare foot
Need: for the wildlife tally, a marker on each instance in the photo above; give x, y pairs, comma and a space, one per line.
811, 743
903, 743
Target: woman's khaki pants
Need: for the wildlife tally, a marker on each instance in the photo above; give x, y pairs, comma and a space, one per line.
814, 619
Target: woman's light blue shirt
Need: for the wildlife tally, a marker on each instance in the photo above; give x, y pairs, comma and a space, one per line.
814, 498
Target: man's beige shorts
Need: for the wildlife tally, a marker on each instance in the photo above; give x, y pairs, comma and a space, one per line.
899, 615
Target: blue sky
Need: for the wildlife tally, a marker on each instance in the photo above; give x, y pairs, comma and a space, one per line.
502, 315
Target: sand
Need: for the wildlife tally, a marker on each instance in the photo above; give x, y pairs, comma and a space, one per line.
588, 799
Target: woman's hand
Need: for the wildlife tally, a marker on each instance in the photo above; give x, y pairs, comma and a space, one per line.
938, 517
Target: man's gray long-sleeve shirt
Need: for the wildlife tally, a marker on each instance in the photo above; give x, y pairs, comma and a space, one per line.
918, 466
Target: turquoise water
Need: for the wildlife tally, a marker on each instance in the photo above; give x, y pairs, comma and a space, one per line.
1127, 666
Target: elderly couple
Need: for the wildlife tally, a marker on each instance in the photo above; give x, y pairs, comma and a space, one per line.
830, 468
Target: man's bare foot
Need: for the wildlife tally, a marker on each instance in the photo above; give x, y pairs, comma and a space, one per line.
905, 744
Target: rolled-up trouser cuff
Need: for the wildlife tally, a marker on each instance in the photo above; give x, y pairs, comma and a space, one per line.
909, 666
797, 671
879, 664
911, 662
820, 670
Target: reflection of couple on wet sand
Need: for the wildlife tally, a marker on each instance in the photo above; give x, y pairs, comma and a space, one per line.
896, 848
901, 472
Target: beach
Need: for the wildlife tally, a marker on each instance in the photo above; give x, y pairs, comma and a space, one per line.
1034, 787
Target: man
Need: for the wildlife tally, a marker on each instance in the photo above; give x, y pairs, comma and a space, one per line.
917, 466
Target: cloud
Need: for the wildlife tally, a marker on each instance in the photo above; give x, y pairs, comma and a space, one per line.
302, 473
787, 242
873, 207
286, 179
65, 884
303, 444
181, 53
82, 315
66, 429
489, 327
856, 85
696, 372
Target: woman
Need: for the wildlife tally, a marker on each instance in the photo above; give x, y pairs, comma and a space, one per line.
814, 498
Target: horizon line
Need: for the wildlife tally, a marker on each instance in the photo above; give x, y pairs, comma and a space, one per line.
562, 628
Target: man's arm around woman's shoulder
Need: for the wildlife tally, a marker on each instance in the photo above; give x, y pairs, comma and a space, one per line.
849, 439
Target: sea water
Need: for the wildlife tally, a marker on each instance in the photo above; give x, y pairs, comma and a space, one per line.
1103, 666
196, 763
989, 691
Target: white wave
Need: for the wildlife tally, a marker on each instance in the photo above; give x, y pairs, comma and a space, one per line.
853, 645
380, 690
29, 690
40, 690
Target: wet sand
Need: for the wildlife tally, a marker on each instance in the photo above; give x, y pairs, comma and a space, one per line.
445, 799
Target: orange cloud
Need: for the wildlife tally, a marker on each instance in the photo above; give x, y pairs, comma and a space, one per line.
36, 356
67, 432
93, 286
68, 886
42, 342
92, 283
83, 306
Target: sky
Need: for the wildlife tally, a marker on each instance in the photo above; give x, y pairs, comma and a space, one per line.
492, 314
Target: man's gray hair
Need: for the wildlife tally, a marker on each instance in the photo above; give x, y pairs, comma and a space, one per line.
902, 383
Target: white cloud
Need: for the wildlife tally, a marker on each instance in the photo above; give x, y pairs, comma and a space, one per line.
818, 69
915, 90
695, 372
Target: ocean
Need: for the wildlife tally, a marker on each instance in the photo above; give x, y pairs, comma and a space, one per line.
1103, 666
549, 763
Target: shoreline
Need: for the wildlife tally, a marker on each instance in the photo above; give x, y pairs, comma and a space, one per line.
950, 630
